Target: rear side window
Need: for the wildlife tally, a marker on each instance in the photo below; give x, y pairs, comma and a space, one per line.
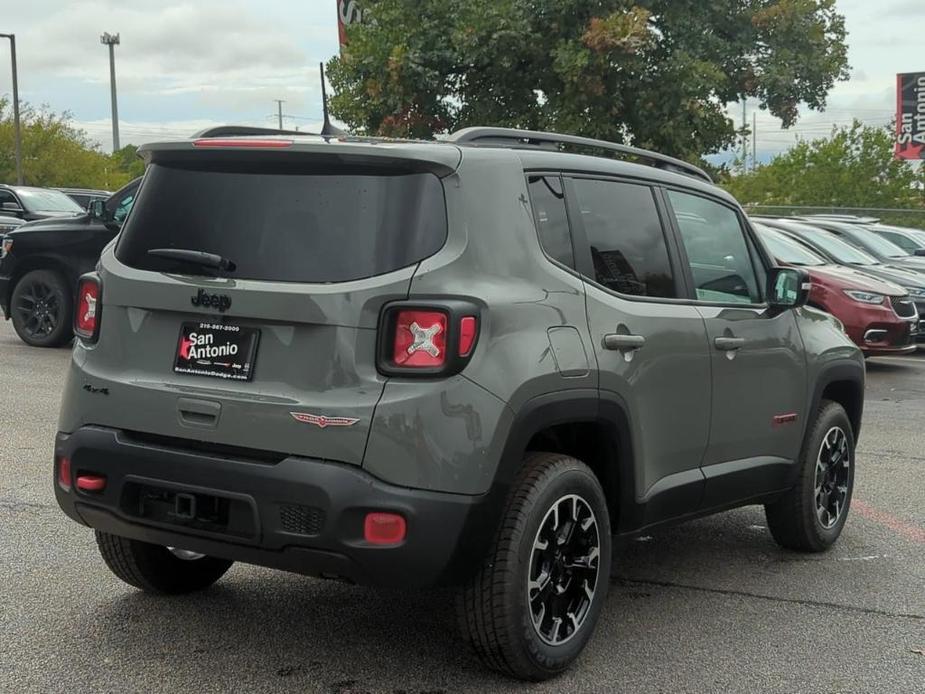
287, 226
626, 239
548, 199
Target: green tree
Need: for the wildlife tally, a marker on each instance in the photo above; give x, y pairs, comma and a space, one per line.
127, 161
55, 153
657, 73
853, 167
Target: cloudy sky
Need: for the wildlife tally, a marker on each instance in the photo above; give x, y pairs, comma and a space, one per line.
184, 65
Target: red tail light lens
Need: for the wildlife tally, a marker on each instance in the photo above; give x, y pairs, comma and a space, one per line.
87, 319
420, 339
384, 528
468, 329
64, 473
91, 483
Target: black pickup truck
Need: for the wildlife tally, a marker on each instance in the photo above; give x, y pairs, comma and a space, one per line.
41, 261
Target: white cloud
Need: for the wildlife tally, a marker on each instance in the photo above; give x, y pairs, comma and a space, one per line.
179, 46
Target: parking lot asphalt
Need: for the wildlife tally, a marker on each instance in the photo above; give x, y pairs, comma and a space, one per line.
711, 606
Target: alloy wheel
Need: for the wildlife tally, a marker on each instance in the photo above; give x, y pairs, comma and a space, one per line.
833, 472
564, 570
39, 309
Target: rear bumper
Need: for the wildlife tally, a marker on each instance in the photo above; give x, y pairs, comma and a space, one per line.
298, 515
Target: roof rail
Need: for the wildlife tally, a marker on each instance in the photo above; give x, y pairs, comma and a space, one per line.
846, 218
511, 137
243, 131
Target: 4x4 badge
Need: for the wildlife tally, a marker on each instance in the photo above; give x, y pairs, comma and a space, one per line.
321, 421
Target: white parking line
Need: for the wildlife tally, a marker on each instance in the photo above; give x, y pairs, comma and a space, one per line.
901, 360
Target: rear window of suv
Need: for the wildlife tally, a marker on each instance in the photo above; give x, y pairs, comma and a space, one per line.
287, 226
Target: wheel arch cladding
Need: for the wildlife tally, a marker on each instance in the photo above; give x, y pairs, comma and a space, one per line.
580, 424
843, 383
43, 262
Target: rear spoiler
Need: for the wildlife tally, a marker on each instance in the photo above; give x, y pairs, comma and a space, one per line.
441, 159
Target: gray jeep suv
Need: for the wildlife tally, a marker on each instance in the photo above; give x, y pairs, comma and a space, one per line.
480, 362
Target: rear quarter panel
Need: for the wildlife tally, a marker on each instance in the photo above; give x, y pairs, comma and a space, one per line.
533, 336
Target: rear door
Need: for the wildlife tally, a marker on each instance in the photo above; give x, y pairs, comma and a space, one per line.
277, 354
759, 372
651, 346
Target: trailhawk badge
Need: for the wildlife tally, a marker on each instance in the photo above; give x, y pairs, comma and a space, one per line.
322, 422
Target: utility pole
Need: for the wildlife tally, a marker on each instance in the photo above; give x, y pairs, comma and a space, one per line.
279, 111
17, 131
112, 40
744, 136
754, 140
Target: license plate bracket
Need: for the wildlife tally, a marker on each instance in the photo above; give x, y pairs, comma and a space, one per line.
217, 350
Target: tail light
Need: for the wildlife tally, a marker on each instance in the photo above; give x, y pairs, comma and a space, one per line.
432, 339
420, 339
89, 306
64, 473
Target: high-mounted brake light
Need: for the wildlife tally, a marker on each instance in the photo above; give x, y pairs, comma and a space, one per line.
87, 318
420, 339
225, 142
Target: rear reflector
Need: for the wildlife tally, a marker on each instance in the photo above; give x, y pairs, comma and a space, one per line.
91, 483
420, 339
467, 330
384, 528
86, 321
259, 144
64, 473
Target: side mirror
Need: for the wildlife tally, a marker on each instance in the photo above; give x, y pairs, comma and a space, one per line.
788, 287
919, 251
96, 209
12, 207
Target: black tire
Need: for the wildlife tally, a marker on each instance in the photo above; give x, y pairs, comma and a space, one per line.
495, 609
41, 309
798, 520
155, 569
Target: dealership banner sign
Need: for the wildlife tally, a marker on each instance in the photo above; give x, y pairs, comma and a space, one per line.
910, 116
348, 12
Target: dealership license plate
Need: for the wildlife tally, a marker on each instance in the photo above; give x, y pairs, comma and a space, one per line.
217, 350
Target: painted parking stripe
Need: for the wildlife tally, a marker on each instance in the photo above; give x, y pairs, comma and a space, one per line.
900, 527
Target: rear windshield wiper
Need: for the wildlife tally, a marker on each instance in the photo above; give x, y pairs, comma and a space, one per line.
200, 258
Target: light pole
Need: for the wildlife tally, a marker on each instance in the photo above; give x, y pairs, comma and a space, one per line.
112, 40
17, 132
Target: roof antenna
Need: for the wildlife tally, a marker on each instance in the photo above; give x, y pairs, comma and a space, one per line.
327, 130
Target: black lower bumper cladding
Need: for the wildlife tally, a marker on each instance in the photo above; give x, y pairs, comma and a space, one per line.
295, 514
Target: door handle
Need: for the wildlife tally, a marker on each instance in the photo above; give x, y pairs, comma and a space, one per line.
728, 344
617, 341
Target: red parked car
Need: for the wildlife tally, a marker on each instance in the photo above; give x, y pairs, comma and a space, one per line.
879, 316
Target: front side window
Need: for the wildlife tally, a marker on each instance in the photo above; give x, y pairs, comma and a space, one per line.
548, 199
717, 250
626, 238
123, 208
